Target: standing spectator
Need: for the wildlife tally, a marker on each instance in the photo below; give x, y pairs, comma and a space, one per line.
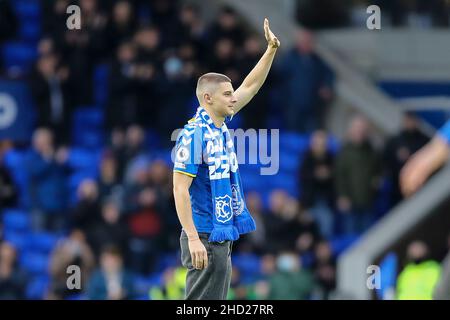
227, 26
144, 221
316, 180
121, 105
253, 49
306, 85
112, 281
47, 173
357, 178
122, 25
48, 83
399, 149
147, 74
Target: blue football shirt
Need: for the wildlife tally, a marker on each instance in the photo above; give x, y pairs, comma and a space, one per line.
444, 132
190, 152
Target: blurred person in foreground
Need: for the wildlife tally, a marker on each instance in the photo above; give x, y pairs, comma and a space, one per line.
415, 173
419, 277
209, 196
425, 162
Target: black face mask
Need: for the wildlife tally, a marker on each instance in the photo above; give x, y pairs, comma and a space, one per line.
418, 260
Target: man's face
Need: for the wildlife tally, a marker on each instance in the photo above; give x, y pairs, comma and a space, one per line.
223, 100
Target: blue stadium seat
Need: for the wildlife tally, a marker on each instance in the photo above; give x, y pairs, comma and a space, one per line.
27, 9
19, 55
83, 159
76, 296
37, 287
166, 260
289, 162
101, 74
87, 127
293, 142
17, 239
42, 242
34, 263
340, 243
16, 220
30, 31
249, 265
142, 285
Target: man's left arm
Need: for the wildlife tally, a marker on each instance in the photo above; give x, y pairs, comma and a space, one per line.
255, 79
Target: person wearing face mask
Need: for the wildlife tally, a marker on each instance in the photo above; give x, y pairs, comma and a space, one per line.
419, 277
291, 280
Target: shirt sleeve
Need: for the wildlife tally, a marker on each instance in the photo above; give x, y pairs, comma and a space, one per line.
444, 132
188, 150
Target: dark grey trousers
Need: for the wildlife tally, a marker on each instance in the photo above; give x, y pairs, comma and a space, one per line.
213, 282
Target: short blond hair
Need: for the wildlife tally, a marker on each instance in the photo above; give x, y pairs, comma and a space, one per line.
208, 82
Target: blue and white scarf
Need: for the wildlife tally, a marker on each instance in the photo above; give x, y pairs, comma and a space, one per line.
231, 217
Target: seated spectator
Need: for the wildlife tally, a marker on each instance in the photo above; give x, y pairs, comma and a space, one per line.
291, 281
419, 277
49, 88
316, 180
8, 190
87, 211
73, 250
111, 281
109, 230
13, 279
109, 183
46, 168
324, 269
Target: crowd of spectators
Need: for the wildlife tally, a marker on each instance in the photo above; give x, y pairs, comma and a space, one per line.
123, 221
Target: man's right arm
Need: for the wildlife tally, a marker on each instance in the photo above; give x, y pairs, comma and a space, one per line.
181, 184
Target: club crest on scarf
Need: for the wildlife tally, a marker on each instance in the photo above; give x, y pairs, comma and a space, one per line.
223, 209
